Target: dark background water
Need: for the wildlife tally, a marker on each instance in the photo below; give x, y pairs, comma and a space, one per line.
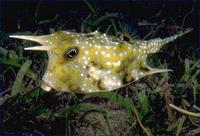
73, 12
20, 16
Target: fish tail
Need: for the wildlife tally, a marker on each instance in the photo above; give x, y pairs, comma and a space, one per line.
156, 44
174, 37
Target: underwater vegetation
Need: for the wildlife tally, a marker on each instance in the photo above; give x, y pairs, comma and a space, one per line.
159, 104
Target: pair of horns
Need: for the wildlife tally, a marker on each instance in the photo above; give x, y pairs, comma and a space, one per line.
43, 40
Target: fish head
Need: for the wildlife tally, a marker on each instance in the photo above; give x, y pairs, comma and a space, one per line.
77, 62
65, 65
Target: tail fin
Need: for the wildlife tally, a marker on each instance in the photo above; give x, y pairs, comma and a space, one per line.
155, 45
172, 38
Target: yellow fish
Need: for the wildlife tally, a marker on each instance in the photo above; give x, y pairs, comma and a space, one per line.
95, 62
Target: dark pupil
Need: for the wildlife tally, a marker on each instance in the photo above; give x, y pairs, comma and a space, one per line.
71, 53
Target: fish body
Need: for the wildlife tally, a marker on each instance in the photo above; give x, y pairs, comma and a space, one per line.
95, 62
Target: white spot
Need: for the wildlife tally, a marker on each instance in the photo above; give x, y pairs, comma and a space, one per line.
107, 47
116, 43
108, 72
76, 66
118, 63
120, 54
84, 58
96, 52
98, 60
108, 55
86, 62
84, 67
125, 53
90, 90
77, 41
83, 89
86, 52
119, 83
108, 63
103, 52
138, 57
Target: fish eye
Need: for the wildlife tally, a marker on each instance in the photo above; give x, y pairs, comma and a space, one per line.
71, 53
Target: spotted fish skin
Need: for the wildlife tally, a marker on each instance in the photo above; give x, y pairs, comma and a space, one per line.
95, 62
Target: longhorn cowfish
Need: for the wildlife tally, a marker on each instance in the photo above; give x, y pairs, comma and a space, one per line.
95, 62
